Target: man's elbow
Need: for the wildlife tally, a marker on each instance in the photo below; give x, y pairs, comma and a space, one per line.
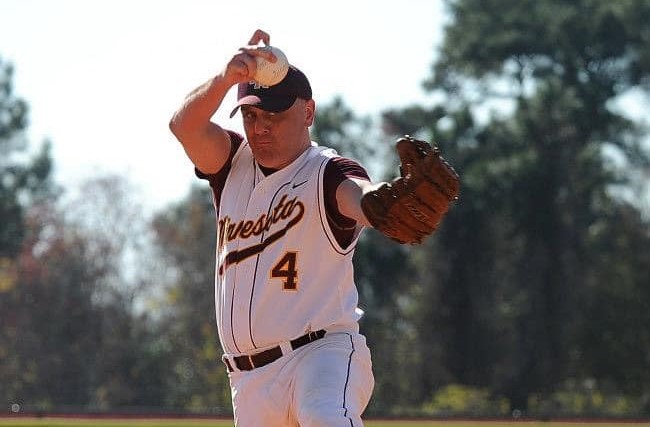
177, 127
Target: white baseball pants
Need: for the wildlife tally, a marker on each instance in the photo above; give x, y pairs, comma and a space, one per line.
327, 383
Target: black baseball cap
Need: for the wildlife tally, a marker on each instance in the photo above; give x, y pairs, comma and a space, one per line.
274, 98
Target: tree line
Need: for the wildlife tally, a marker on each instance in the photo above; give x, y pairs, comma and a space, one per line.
532, 297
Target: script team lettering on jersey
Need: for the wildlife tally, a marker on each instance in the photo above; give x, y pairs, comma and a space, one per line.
290, 212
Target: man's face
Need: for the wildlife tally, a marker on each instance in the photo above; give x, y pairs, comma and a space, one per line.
277, 139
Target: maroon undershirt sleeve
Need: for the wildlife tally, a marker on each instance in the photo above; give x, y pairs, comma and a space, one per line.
336, 171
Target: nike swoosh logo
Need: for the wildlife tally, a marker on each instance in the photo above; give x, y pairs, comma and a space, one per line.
299, 184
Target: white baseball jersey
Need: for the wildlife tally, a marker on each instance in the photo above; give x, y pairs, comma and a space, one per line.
279, 272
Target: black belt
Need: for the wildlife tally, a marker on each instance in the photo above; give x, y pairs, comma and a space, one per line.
247, 363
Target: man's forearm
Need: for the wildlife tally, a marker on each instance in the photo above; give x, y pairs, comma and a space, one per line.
199, 106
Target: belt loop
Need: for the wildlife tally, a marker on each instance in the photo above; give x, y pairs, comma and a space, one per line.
286, 347
225, 360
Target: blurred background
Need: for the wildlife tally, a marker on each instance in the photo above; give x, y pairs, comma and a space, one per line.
532, 299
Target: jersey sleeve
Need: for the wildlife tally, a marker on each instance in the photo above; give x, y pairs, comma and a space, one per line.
218, 180
337, 170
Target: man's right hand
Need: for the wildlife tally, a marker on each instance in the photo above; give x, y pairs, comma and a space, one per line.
241, 68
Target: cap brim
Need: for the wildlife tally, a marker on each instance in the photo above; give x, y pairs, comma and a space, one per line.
273, 105
247, 100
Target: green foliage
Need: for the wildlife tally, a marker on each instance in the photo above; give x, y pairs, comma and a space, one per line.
456, 399
185, 236
585, 398
69, 335
21, 182
69, 321
356, 137
337, 126
518, 276
586, 42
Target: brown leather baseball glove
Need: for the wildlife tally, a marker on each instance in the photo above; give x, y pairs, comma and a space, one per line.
410, 207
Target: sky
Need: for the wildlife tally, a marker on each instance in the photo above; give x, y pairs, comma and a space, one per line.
102, 78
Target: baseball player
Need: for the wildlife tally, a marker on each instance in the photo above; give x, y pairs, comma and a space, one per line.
289, 213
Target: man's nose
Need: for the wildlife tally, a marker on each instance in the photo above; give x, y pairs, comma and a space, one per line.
261, 126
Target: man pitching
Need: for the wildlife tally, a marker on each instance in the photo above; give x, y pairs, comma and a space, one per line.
289, 213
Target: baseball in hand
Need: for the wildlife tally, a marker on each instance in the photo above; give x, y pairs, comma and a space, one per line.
271, 73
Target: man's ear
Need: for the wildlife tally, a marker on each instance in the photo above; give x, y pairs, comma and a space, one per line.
310, 112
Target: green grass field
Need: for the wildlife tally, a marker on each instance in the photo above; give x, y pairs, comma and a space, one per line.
86, 422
